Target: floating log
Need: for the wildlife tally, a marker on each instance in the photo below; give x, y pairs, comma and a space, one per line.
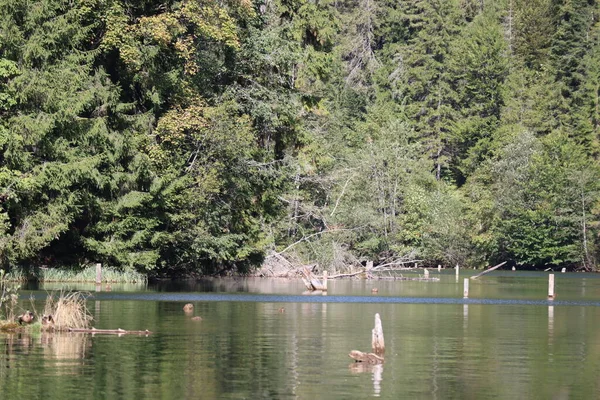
369, 358
377, 344
489, 270
118, 331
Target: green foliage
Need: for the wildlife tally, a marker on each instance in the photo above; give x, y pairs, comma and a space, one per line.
543, 211
479, 69
173, 137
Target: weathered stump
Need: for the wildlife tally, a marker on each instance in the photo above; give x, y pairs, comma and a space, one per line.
377, 342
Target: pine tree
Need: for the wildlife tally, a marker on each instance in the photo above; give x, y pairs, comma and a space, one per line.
431, 27
65, 147
478, 69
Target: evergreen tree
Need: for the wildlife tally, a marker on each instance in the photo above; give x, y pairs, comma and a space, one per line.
431, 26
478, 68
67, 141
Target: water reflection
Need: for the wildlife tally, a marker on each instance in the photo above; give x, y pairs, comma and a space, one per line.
550, 321
68, 348
314, 293
375, 369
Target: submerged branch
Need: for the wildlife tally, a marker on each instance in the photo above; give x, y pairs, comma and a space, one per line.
118, 331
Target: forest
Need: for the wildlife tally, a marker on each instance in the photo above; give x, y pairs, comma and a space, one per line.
198, 136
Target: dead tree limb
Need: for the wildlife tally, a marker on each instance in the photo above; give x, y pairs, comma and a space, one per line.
488, 270
305, 238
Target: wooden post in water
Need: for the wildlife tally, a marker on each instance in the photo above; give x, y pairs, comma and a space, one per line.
551, 287
466, 289
377, 342
457, 270
98, 273
324, 281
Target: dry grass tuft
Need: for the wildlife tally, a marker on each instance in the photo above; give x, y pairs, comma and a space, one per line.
68, 310
9, 327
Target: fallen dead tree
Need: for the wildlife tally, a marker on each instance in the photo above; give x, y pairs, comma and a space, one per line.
488, 270
377, 346
311, 281
372, 274
281, 266
408, 278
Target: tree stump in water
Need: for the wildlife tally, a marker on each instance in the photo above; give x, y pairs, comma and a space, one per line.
377, 344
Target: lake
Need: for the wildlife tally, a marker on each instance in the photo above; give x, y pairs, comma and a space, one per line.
264, 339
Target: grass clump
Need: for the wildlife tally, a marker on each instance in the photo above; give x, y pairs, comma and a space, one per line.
68, 310
6, 326
9, 295
88, 274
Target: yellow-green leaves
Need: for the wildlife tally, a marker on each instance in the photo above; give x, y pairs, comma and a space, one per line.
175, 31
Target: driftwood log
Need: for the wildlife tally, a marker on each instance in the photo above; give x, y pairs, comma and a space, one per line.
377, 345
369, 358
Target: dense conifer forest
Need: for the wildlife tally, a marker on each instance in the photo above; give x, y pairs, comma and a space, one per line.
195, 136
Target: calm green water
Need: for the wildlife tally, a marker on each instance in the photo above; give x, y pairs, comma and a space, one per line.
505, 342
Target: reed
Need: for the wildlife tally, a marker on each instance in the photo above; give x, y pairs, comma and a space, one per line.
68, 310
9, 295
16, 275
88, 274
